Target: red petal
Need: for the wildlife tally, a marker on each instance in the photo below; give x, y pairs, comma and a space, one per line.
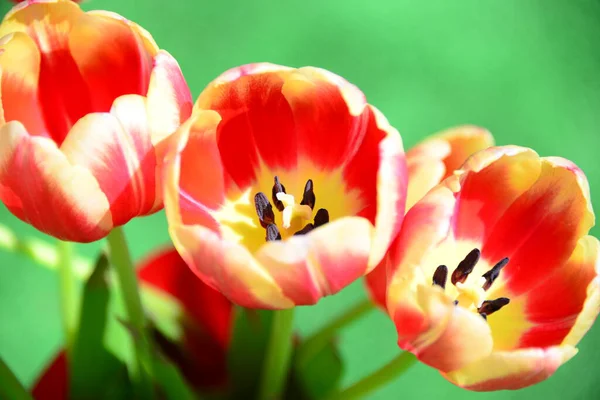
556, 304
166, 270
116, 148
207, 339
53, 384
53, 195
540, 229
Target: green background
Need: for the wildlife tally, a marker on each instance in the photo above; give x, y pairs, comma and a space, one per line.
527, 70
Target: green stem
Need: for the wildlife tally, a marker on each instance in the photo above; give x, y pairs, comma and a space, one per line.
10, 387
41, 252
128, 285
68, 294
315, 343
278, 356
377, 379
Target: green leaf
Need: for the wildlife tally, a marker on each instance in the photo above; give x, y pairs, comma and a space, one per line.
247, 350
92, 365
318, 376
170, 381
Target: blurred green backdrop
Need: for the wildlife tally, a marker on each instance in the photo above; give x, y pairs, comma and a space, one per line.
528, 70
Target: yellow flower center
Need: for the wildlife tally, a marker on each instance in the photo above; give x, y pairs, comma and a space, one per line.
472, 292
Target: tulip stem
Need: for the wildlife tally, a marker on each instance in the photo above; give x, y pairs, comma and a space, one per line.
68, 293
377, 379
10, 387
120, 259
278, 355
315, 343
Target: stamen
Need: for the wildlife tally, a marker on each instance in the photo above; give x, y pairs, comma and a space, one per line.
465, 267
440, 276
273, 233
277, 188
491, 306
305, 230
493, 273
309, 198
264, 210
322, 217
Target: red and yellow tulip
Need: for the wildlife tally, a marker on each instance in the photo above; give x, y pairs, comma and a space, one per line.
493, 279
284, 186
206, 329
429, 162
86, 99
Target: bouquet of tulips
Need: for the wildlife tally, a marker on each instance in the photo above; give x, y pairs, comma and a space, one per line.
280, 186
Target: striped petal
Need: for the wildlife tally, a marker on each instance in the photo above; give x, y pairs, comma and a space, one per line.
512, 370
439, 155
35, 177
556, 307
19, 75
116, 149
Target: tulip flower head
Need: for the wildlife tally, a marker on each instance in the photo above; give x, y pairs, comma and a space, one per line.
86, 99
429, 162
493, 278
284, 186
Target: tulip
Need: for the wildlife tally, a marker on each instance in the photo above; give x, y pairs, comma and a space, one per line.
206, 329
493, 278
284, 186
429, 162
86, 101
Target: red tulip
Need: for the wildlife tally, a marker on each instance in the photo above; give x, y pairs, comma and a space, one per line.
429, 162
206, 330
86, 99
284, 186
493, 278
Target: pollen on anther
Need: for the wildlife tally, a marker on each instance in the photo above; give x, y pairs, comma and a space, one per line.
321, 217
493, 273
491, 306
264, 210
305, 230
277, 188
440, 276
308, 197
273, 233
465, 267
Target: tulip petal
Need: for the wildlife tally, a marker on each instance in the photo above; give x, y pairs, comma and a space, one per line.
111, 58
19, 74
439, 155
496, 177
376, 283
320, 263
49, 24
208, 318
169, 99
228, 267
123, 162
53, 383
257, 124
166, 271
440, 334
555, 306
380, 155
512, 369
540, 229
46, 180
